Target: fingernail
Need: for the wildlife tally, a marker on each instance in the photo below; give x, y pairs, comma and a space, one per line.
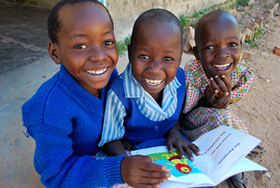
216, 91
216, 76
227, 93
223, 76
211, 79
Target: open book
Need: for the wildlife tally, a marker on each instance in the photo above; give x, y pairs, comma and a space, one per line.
222, 155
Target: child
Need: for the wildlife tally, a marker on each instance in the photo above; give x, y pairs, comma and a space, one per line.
144, 102
215, 80
65, 115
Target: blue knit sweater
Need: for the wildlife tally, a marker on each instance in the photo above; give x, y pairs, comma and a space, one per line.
66, 122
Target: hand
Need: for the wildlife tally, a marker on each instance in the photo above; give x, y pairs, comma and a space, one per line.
218, 93
175, 139
140, 171
127, 145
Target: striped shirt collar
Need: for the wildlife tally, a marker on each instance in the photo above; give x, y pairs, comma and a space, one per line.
132, 88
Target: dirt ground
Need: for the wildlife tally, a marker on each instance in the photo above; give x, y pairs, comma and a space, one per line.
260, 108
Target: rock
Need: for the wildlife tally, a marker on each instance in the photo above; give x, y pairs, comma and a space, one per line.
264, 54
188, 39
247, 34
276, 50
246, 56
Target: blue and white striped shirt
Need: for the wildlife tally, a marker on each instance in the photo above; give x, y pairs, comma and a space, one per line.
115, 113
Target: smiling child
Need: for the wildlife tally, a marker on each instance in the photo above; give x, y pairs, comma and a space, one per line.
144, 102
65, 115
215, 79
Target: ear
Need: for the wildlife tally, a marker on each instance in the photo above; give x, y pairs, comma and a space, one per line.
53, 51
195, 51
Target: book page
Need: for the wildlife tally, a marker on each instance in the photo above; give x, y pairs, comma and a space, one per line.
242, 166
221, 148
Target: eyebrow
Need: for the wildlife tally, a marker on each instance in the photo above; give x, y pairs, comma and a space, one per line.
75, 35
230, 37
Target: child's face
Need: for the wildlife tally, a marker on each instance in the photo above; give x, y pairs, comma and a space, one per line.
155, 56
219, 47
86, 45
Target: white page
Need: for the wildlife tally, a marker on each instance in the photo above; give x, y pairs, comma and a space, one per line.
221, 148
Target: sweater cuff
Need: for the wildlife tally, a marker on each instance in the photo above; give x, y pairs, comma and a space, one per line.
113, 165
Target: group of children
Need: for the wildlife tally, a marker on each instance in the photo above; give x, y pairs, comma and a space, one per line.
87, 107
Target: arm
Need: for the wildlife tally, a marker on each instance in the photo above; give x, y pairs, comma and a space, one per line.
113, 128
175, 139
114, 148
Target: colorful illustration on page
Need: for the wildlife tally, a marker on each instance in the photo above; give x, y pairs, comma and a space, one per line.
176, 165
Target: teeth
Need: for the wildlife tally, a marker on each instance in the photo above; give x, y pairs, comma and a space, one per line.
97, 72
220, 66
153, 82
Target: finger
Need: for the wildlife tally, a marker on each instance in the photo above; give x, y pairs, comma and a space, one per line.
215, 86
145, 186
148, 165
180, 148
211, 97
194, 148
188, 152
221, 102
169, 146
227, 82
222, 86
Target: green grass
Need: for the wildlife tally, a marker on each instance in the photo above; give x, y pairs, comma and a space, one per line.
122, 47
252, 43
258, 33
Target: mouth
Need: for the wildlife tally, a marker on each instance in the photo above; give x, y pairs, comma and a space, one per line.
153, 82
223, 67
97, 72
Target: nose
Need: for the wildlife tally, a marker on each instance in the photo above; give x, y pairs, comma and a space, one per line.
155, 66
222, 53
97, 54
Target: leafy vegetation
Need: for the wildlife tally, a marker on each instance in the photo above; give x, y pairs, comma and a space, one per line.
184, 21
242, 2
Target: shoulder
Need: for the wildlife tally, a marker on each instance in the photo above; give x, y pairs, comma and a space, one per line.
242, 73
180, 75
49, 99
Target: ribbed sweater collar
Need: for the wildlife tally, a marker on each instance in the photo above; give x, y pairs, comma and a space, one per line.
79, 92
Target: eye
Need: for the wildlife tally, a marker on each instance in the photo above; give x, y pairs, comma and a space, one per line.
209, 48
80, 46
233, 44
108, 43
167, 58
142, 56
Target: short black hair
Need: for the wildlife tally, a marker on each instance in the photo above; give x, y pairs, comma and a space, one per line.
160, 15
214, 15
54, 24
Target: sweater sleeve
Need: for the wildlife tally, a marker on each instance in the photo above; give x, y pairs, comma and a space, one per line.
59, 168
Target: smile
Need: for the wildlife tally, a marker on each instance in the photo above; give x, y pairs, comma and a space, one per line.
222, 67
97, 72
153, 82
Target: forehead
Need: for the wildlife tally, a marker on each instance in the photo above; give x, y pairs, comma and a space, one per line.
157, 31
86, 12
218, 28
